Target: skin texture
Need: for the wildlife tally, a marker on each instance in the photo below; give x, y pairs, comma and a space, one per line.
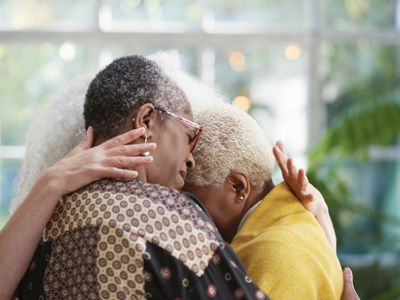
171, 136
228, 203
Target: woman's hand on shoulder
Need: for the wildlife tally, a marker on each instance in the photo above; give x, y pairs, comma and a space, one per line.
114, 158
298, 182
310, 197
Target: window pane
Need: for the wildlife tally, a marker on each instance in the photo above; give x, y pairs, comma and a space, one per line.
362, 14
272, 81
8, 173
154, 13
25, 14
31, 73
358, 73
273, 13
356, 78
188, 55
374, 185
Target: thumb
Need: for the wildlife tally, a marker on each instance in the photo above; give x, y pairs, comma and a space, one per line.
85, 143
348, 275
88, 139
349, 293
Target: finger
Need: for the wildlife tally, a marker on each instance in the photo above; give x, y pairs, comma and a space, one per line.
118, 173
281, 146
349, 292
131, 150
124, 138
128, 162
291, 168
281, 160
88, 140
302, 178
348, 275
85, 143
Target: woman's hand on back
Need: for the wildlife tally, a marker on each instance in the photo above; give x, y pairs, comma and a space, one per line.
84, 164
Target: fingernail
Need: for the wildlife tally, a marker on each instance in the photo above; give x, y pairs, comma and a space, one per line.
348, 274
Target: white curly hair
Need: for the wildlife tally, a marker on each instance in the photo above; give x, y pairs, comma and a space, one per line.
54, 133
231, 141
199, 93
60, 126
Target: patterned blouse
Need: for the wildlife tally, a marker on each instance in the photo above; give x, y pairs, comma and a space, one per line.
133, 240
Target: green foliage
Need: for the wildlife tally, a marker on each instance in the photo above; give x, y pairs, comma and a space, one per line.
361, 126
364, 113
360, 227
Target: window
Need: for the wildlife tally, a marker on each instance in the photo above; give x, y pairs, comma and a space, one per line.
296, 66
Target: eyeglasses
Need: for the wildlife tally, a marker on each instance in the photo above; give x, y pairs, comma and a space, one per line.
197, 127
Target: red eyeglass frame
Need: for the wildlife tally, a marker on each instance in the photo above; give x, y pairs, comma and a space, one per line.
198, 127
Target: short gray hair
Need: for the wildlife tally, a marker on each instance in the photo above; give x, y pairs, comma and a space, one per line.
231, 141
124, 85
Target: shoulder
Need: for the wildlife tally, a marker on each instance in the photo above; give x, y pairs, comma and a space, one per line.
282, 260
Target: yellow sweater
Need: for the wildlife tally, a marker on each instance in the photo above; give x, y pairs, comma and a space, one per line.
285, 252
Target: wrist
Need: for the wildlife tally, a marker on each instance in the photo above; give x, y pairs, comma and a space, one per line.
52, 183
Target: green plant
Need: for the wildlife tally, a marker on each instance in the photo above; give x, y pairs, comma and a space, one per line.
360, 226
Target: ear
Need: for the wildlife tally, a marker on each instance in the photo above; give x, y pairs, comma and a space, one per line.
239, 184
145, 116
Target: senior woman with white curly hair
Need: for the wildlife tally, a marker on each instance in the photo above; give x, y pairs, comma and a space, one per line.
280, 243
250, 166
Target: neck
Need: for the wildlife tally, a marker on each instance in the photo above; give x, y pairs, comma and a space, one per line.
256, 195
141, 173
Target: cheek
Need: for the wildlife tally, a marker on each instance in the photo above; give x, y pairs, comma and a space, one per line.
174, 140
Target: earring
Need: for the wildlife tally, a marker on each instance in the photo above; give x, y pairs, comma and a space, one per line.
241, 197
147, 153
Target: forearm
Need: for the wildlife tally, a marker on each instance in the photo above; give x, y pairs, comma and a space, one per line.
324, 219
21, 235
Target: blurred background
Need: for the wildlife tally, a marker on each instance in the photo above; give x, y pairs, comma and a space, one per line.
321, 75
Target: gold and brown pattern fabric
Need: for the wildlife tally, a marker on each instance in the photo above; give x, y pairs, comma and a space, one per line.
132, 240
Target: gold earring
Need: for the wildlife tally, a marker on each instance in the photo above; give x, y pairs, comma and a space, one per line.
147, 153
241, 197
